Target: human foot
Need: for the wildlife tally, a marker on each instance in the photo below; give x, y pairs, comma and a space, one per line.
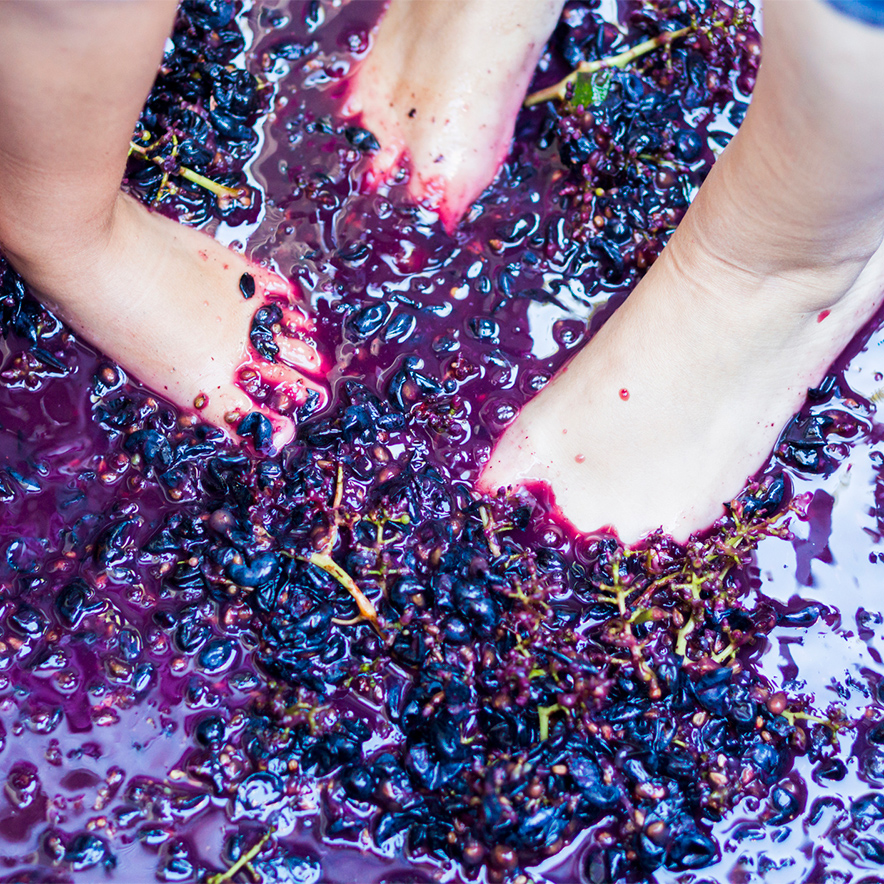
776, 265
441, 89
188, 318
679, 398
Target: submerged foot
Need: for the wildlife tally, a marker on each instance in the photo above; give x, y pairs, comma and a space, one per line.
680, 397
195, 322
775, 267
441, 89
682, 394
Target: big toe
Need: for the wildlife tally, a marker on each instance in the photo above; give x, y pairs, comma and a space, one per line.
299, 354
267, 430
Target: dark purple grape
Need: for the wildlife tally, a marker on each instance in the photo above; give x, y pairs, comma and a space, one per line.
263, 569
765, 759
361, 139
218, 654
872, 849
210, 731
830, 769
400, 329
73, 602
366, 322
143, 677
230, 127
577, 152
152, 445
261, 334
27, 621
191, 635
210, 14
484, 329
867, 811
688, 145
713, 691
594, 791
803, 618
23, 554
785, 806
193, 155
358, 782
130, 644
456, 631
234, 92
767, 500
247, 285
690, 849
258, 428
84, 851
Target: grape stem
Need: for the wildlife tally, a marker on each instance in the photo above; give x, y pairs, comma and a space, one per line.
244, 860
212, 186
792, 717
621, 60
326, 563
489, 528
544, 713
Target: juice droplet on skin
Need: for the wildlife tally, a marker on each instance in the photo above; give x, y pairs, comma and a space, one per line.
624, 394
822, 315
580, 458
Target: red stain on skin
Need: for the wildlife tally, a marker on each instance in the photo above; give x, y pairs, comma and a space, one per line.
822, 315
203, 254
580, 458
624, 394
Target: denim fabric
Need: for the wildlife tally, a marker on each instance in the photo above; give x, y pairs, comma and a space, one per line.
869, 11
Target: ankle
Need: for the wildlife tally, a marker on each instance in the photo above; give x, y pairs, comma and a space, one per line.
768, 210
735, 246
45, 248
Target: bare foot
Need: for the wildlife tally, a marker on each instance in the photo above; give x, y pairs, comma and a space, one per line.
163, 300
169, 304
681, 395
441, 89
777, 264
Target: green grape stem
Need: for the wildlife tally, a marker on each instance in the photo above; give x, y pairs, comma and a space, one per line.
220, 190
244, 860
621, 60
326, 563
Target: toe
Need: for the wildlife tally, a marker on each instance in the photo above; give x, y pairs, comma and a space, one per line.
229, 408
269, 283
282, 375
298, 354
298, 389
295, 321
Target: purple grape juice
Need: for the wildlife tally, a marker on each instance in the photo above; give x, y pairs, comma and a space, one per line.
340, 663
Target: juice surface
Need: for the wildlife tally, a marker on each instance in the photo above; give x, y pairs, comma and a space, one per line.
185, 678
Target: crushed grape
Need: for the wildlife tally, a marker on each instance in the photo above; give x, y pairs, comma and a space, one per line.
223, 666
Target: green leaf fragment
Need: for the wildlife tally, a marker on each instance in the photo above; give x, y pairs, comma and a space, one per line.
590, 90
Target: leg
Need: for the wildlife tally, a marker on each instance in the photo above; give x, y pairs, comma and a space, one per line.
776, 265
160, 299
442, 87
